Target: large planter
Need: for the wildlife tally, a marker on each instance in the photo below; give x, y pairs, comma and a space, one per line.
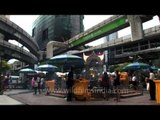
157, 82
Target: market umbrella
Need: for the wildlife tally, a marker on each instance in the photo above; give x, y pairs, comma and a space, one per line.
66, 61
47, 67
41, 72
136, 66
27, 70
154, 68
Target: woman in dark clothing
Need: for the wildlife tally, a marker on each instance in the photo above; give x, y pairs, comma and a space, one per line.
105, 85
117, 79
69, 84
116, 84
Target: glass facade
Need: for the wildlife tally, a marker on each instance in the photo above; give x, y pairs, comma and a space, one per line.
56, 28
112, 36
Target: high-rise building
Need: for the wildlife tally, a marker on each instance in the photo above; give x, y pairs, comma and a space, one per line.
106, 52
56, 28
112, 36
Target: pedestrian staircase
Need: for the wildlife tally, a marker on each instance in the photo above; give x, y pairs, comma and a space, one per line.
130, 93
60, 94
124, 93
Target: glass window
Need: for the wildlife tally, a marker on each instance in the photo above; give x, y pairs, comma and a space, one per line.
33, 32
45, 34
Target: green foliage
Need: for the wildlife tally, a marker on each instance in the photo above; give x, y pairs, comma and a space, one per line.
4, 66
120, 67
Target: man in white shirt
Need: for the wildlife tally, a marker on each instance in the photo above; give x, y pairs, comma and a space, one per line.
134, 81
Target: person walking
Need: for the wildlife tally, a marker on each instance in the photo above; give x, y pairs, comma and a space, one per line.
32, 82
111, 78
42, 84
69, 84
39, 84
35, 84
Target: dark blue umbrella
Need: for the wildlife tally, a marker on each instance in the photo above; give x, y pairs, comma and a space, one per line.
154, 68
136, 66
47, 67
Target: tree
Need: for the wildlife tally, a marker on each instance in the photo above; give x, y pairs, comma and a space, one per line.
120, 67
4, 66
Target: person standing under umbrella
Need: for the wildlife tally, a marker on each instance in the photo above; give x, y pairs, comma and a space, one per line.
69, 84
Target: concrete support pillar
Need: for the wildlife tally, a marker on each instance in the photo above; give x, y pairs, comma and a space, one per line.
51, 45
136, 27
49, 49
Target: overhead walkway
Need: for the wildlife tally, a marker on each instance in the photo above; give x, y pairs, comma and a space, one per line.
17, 52
11, 31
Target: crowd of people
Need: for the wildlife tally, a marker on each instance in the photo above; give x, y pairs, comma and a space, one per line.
107, 82
112, 81
38, 84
